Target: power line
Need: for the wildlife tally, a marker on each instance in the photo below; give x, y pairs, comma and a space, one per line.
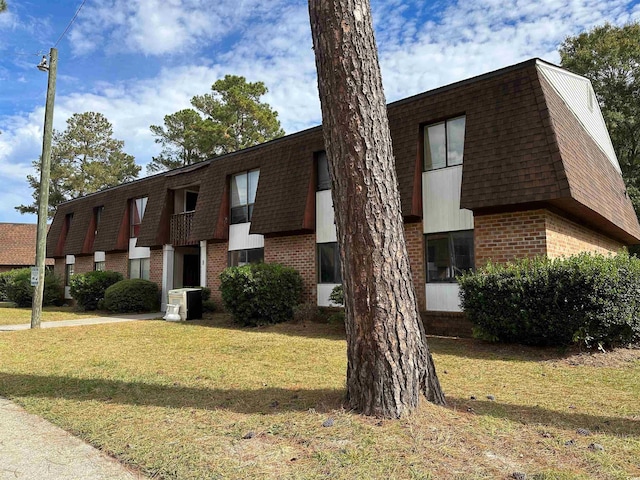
70, 23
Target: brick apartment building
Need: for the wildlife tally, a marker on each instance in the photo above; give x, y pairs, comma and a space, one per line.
509, 164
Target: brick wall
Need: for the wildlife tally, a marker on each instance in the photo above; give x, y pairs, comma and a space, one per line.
118, 262
83, 264
155, 266
59, 268
507, 236
414, 237
217, 254
567, 238
298, 252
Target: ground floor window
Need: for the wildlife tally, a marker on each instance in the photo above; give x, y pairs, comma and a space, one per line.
99, 266
448, 255
237, 258
329, 263
139, 268
68, 272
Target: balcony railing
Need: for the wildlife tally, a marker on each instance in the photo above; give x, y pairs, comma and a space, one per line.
181, 229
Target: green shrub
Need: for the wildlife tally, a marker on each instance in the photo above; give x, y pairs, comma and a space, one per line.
585, 298
20, 291
88, 288
5, 279
209, 306
135, 295
337, 295
261, 293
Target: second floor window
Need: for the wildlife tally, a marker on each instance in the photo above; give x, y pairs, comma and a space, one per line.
138, 206
97, 212
444, 143
243, 195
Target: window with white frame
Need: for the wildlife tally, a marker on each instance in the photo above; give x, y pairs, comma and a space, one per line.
138, 207
237, 258
68, 273
243, 195
449, 255
139, 268
444, 143
99, 266
329, 263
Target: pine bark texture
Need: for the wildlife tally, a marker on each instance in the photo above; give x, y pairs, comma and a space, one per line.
389, 363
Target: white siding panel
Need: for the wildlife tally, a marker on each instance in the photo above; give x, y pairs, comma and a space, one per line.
70, 260
325, 222
578, 94
239, 238
441, 201
324, 290
99, 257
443, 297
138, 252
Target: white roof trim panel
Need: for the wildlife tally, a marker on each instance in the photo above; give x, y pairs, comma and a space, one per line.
578, 94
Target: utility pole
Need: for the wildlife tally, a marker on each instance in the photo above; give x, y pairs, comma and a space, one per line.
43, 197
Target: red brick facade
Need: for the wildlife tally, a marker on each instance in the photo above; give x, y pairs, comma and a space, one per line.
83, 264
414, 237
506, 236
118, 262
298, 252
217, 258
155, 266
565, 237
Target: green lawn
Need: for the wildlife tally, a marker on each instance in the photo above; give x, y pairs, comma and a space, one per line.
175, 400
15, 316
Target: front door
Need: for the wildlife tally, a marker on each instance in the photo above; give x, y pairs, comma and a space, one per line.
191, 271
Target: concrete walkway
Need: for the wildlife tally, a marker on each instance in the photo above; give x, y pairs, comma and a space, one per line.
33, 449
85, 321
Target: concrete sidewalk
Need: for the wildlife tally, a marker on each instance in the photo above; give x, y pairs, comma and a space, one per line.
33, 449
85, 321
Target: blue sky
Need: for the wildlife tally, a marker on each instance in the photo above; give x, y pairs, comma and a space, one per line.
138, 60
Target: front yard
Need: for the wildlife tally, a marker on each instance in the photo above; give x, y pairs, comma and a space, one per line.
16, 316
176, 400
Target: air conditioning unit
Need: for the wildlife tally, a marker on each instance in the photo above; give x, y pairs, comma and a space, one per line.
189, 301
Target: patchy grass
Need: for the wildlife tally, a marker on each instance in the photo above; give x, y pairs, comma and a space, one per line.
16, 316
175, 401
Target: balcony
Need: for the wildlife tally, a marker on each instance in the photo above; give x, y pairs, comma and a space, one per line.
181, 229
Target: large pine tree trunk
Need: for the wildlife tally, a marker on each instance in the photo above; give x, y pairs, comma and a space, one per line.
389, 363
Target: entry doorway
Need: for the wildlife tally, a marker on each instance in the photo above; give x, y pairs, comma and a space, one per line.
186, 267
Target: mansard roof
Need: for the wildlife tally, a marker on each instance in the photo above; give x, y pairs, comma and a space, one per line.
534, 138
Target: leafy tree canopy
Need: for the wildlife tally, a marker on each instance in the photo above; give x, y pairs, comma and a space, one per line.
609, 56
85, 158
3, 5
230, 118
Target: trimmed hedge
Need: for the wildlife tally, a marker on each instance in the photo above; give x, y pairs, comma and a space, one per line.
261, 293
590, 299
5, 279
88, 288
20, 291
134, 295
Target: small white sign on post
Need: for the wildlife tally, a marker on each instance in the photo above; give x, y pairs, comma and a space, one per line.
34, 276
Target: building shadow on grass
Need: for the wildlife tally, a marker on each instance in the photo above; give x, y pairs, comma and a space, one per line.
483, 350
261, 401
544, 418
302, 329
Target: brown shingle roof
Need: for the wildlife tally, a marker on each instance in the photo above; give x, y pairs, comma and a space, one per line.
18, 244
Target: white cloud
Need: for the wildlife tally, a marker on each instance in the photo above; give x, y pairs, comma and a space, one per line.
272, 44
